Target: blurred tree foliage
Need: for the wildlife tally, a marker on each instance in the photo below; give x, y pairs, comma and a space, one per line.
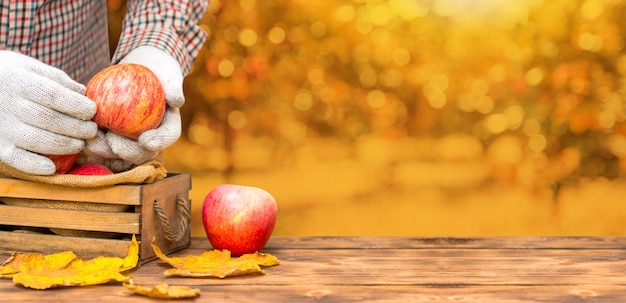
550, 73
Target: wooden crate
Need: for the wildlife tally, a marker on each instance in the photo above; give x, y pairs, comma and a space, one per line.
141, 218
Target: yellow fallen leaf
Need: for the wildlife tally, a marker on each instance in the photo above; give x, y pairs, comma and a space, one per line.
163, 291
132, 258
31, 261
222, 270
261, 259
78, 273
215, 263
41, 273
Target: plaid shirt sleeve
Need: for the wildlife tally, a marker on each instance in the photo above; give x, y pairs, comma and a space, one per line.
171, 26
70, 35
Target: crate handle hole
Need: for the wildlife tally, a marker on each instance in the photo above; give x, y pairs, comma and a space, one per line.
171, 234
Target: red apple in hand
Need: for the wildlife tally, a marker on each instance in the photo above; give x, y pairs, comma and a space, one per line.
90, 169
239, 218
63, 163
129, 99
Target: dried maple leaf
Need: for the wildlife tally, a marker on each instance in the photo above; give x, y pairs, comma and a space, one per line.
78, 273
215, 263
41, 273
261, 259
30, 261
132, 257
163, 291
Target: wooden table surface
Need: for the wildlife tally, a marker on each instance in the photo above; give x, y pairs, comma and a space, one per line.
394, 269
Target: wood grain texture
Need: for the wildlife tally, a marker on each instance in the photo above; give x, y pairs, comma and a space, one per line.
395, 269
118, 222
119, 194
166, 194
447, 242
42, 243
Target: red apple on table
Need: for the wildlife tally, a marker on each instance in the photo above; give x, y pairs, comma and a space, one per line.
239, 218
63, 163
129, 99
90, 169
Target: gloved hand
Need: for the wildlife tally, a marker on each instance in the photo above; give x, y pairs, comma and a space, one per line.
42, 110
114, 146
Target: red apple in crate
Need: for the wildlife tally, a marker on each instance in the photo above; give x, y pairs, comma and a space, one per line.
239, 218
63, 163
129, 99
90, 169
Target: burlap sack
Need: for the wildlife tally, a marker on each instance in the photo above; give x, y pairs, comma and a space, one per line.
145, 173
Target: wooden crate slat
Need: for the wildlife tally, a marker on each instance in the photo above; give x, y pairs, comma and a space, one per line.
48, 244
128, 223
118, 194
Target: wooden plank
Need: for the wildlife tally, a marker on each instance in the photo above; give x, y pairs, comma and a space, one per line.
439, 267
480, 270
47, 244
127, 223
442, 268
329, 293
393, 293
618, 243
118, 194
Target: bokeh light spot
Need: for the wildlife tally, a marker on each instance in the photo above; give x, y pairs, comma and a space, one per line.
591, 9
496, 123
534, 76
368, 77
437, 99
537, 143
376, 99
226, 68
408, 9
590, 42
391, 78
344, 13
236, 119
248, 37
401, 56
303, 101
276, 35
318, 29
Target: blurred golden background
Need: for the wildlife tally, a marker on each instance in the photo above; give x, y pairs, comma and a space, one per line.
412, 117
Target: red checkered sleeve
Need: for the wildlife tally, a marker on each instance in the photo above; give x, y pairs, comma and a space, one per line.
67, 34
171, 26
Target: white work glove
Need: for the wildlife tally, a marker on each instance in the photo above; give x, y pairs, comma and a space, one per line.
111, 145
42, 110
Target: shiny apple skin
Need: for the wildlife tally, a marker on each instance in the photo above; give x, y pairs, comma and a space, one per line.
129, 99
239, 218
63, 163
